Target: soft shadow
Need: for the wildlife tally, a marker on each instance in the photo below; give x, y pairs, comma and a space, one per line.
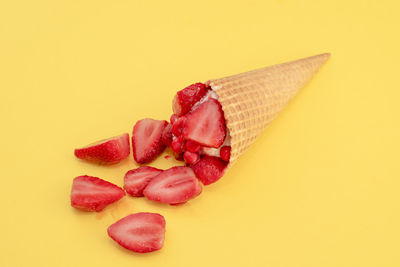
132, 253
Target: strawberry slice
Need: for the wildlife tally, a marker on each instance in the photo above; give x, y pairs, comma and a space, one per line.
192, 146
140, 232
177, 126
206, 124
94, 194
178, 144
137, 179
146, 139
209, 169
191, 157
225, 153
178, 156
172, 186
187, 97
107, 151
167, 135
173, 118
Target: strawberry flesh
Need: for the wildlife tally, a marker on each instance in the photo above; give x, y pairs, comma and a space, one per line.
137, 179
167, 135
191, 157
178, 144
172, 186
173, 118
94, 194
108, 151
179, 156
177, 127
140, 232
192, 146
147, 141
209, 169
206, 124
225, 153
187, 97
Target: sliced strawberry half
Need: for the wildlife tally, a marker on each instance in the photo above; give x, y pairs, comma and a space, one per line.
173, 118
225, 153
147, 141
172, 186
94, 194
187, 97
192, 146
137, 179
107, 151
178, 156
167, 135
140, 232
177, 126
206, 124
191, 157
209, 169
177, 144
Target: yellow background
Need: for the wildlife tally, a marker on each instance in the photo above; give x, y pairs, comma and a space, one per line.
321, 187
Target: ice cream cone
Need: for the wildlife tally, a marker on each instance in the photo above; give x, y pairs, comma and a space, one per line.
253, 99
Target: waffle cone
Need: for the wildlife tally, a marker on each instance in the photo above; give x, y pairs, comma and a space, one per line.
251, 100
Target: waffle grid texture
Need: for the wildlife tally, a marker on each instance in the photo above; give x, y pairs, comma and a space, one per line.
251, 100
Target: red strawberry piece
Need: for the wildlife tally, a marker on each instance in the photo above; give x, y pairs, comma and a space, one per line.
94, 194
137, 179
140, 232
206, 124
177, 127
179, 156
225, 153
167, 135
173, 118
191, 157
146, 139
192, 146
107, 151
187, 97
175, 185
209, 169
177, 144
